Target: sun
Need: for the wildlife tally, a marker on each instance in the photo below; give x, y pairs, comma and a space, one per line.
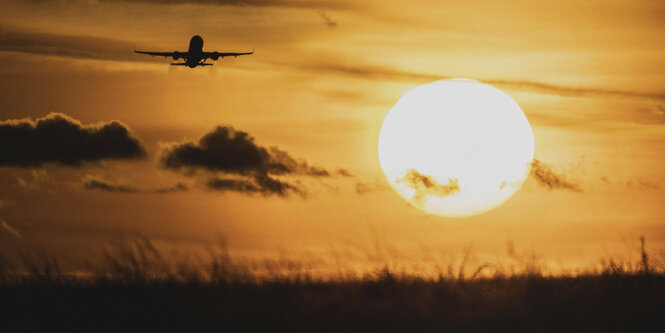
456, 147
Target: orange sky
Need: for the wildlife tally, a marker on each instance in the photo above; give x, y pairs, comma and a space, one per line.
589, 76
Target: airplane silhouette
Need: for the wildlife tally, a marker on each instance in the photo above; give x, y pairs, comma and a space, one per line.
195, 55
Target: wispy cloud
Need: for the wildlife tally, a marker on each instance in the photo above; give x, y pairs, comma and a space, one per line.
329, 22
87, 47
10, 230
35, 179
545, 176
315, 4
643, 184
97, 183
180, 187
100, 184
260, 184
83, 47
363, 188
425, 185
372, 72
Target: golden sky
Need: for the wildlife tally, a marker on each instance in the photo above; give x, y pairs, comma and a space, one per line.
589, 75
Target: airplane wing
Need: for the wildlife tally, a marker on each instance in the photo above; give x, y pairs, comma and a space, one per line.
175, 55
216, 55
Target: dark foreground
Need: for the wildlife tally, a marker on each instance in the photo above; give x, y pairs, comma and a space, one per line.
383, 303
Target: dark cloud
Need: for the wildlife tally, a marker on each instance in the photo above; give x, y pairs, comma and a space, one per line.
544, 175
261, 184
96, 183
58, 138
180, 187
99, 184
228, 151
327, 20
426, 185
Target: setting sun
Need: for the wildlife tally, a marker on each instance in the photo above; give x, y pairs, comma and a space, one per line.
456, 147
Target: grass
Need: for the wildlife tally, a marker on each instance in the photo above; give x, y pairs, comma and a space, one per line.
133, 288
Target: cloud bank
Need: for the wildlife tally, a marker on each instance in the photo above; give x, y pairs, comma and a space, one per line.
58, 138
247, 166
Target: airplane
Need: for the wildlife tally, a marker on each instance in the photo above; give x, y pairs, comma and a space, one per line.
195, 55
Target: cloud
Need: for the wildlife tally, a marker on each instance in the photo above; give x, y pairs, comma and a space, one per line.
100, 184
228, 151
261, 184
426, 185
82, 47
544, 175
372, 72
180, 187
35, 179
239, 3
643, 184
329, 22
96, 183
363, 188
10, 230
58, 138
87, 47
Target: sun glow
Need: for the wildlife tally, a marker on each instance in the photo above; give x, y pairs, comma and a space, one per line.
456, 147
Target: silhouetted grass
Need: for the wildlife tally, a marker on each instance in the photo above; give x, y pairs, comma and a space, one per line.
134, 288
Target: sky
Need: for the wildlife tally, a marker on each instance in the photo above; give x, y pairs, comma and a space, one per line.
97, 140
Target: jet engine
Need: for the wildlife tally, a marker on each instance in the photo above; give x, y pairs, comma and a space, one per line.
176, 55
214, 56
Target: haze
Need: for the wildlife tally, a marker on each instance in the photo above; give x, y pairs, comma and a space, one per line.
589, 76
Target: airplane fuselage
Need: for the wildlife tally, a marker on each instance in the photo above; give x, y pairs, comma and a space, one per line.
195, 51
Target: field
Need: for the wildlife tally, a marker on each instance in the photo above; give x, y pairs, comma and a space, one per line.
133, 289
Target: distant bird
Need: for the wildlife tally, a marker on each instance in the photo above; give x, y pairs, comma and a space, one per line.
195, 55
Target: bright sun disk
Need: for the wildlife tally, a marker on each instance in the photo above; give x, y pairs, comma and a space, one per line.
456, 147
